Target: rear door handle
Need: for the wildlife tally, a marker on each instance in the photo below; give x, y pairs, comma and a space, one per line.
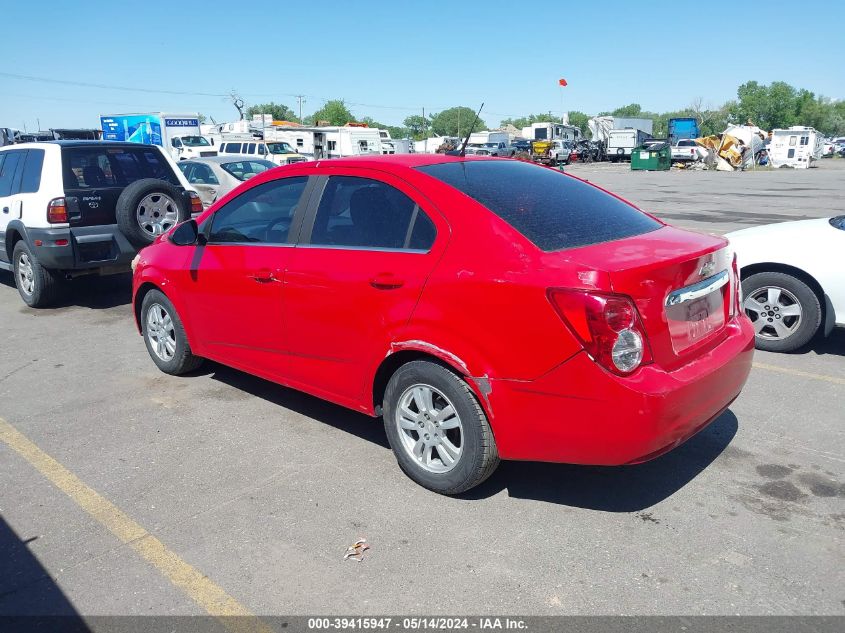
5, 209
386, 281
264, 276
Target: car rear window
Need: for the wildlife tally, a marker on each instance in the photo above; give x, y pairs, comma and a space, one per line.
89, 167
551, 209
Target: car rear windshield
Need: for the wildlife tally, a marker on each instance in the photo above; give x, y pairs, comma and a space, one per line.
551, 209
93, 166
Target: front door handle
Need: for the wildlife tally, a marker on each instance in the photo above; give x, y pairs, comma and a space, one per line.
386, 281
5, 209
264, 276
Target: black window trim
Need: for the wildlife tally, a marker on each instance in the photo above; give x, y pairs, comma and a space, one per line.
295, 223
311, 217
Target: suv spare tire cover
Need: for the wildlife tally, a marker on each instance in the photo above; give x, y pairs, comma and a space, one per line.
126, 209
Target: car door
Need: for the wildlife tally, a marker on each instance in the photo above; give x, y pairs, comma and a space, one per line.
203, 179
365, 254
232, 287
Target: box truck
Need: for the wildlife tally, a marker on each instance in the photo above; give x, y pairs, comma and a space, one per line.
179, 134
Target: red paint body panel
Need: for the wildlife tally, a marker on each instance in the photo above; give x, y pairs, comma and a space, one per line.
478, 300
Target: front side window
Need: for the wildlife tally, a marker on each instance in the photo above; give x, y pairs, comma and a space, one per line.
261, 215
233, 148
283, 148
196, 141
551, 209
365, 213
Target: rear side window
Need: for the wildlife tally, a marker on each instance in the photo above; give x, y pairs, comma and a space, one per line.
8, 169
31, 180
551, 209
89, 167
366, 213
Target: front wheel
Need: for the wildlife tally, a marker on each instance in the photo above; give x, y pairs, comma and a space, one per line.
437, 429
165, 336
785, 311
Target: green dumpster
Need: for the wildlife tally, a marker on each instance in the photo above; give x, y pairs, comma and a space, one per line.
652, 157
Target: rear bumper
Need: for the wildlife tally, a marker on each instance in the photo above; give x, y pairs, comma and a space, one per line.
581, 414
81, 248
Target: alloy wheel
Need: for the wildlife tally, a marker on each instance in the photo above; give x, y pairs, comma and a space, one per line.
160, 332
775, 312
156, 214
430, 428
26, 278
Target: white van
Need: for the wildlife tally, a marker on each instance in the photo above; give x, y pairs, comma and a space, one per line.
279, 152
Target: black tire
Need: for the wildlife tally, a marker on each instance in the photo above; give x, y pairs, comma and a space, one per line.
479, 456
127, 205
46, 284
811, 311
182, 360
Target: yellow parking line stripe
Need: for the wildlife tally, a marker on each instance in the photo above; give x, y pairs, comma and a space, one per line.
797, 372
194, 583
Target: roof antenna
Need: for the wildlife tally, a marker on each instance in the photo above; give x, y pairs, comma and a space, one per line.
463, 150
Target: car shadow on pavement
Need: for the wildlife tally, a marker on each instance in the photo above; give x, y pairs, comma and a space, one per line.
92, 291
605, 488
352, 422
613, 488
27, 590
833, 345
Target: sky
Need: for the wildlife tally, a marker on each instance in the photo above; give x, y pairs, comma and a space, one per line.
390, 59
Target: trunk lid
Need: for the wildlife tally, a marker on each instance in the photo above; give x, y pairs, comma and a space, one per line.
681, 283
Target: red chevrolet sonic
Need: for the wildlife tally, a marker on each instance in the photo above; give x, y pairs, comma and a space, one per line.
486, 308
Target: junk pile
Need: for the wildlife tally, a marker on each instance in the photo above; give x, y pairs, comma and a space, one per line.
738, 147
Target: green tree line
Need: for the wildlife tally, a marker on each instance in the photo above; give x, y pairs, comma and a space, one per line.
776, 105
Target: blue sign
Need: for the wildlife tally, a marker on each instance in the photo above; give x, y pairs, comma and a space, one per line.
135, 128
181, 123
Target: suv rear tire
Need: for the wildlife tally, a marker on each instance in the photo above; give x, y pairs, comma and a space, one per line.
437, 429
39, 287
149, 207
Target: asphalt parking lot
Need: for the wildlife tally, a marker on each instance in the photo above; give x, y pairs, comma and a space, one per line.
126, 491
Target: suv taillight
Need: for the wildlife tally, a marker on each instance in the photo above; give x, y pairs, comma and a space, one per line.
607, 325
196, 203
57, 211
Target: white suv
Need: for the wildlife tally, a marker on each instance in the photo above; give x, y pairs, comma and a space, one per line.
69, 208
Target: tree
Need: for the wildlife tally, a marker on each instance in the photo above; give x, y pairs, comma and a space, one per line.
201, 117
417, 124
335, 112
525, 121
394, 130
455, 122
579, 120
632, 110
279, 111
238, 103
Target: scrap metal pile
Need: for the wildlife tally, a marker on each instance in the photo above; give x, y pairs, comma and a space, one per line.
738, 147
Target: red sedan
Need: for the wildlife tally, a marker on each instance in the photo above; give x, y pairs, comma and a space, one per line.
485, 308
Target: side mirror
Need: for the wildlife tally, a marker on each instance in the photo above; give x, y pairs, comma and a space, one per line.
186, 234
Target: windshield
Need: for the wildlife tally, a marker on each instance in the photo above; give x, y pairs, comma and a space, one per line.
195, 141
280, 148
246, 169
551, 209
838, 222
491, 145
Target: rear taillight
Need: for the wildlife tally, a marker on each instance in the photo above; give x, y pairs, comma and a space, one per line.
607, 325
196, 203
57, 211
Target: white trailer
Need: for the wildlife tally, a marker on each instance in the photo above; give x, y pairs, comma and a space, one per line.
796, 146
179, 134
621, 143
330, 141
545, 131
487, 136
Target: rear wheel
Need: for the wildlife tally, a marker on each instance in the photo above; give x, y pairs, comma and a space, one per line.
437, 429
165, 336
38, 286
785, 311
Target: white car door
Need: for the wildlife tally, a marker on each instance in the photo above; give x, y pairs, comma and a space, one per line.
11, 170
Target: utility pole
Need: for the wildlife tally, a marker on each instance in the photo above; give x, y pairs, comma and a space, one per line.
425, 136
301, 100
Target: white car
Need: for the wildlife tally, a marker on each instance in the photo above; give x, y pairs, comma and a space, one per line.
215, 176
793, 280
